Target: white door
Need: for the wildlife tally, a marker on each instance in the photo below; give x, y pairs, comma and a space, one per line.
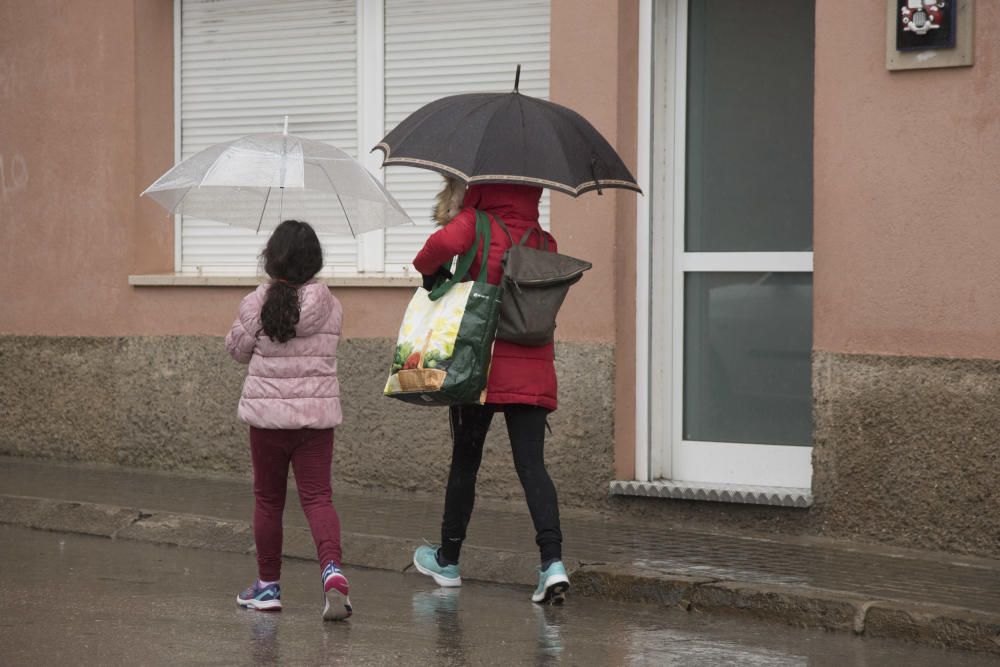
729, 272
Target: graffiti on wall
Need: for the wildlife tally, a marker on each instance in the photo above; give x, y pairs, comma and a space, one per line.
13, 175
6, 78
13, 166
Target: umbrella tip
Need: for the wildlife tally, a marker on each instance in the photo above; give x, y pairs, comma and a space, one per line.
517, 78
286, 125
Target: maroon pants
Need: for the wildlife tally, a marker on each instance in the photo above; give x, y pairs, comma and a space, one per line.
310, 451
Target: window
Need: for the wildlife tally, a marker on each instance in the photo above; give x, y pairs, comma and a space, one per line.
344, 71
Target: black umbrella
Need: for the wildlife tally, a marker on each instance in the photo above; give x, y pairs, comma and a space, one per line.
507, 138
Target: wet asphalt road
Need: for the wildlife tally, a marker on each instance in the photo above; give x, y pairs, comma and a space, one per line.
82, 600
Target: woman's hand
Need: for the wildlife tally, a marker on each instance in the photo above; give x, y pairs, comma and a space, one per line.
431, 281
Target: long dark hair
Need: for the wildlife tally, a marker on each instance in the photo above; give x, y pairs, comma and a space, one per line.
292, 257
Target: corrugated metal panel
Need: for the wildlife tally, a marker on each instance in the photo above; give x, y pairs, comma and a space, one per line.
435, 48
780, 496
245, 64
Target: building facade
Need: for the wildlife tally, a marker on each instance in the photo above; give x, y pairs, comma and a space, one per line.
793, 329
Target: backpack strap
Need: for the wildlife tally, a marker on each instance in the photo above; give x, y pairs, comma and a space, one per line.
504, 228
544, 245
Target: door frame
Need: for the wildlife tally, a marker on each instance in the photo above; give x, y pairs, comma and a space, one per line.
661, 453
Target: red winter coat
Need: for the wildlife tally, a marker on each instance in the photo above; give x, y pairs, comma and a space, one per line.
518, 374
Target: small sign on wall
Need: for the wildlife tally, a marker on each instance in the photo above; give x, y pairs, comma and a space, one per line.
928, 33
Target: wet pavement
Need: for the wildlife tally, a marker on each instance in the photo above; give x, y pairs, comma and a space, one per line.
873, 571
71, 599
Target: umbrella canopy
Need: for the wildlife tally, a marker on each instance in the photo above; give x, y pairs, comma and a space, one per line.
261, 179
507, 138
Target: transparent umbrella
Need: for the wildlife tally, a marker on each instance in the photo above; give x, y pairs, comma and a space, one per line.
261, 179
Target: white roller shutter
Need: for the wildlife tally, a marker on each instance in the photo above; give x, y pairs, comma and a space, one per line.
244, 65
435, 48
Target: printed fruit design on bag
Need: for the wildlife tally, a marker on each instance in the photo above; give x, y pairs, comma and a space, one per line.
412, 361
406, 358
421, 370
426, 343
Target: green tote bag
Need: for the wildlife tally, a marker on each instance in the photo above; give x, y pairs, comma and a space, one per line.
445, 343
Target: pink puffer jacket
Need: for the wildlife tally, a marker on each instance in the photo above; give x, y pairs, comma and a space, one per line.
290, 385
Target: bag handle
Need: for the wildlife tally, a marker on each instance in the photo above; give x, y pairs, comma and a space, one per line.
465, 259
483, 224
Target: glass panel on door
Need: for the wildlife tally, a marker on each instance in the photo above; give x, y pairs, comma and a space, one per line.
747, 357
749, 126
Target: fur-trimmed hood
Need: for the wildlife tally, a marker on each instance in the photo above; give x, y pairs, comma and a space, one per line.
503, 199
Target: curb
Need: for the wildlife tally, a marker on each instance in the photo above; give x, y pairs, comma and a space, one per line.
942, 626
936, 625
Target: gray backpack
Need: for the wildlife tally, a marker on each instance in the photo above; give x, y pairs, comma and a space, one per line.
535, 283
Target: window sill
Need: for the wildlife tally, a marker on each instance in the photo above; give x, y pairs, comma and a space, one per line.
778, 496
196, 280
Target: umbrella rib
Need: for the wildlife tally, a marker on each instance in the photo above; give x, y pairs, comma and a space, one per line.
181, 201
520, 109
341, 202
262, 209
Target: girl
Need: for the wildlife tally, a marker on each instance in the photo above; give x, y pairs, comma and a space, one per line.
287, 331
521, 385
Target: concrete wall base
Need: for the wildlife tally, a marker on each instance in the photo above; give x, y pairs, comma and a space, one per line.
907, 449
169, 402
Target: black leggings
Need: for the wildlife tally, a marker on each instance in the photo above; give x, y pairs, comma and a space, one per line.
526, 428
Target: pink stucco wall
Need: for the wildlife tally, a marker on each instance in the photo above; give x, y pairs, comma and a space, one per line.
584, 76
907, 193
86, 96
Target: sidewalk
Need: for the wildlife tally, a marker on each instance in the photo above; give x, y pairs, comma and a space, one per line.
935, 598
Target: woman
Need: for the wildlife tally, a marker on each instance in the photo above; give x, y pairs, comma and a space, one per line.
521, 385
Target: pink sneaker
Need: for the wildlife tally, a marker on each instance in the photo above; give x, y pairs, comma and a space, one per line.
335, 589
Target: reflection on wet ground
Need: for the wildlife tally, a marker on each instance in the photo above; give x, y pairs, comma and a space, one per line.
72, 599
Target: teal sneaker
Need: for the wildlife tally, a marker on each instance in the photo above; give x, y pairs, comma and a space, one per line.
553, 582
425, 560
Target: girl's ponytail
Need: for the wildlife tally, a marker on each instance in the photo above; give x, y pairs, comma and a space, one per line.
280, 312
292, 257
